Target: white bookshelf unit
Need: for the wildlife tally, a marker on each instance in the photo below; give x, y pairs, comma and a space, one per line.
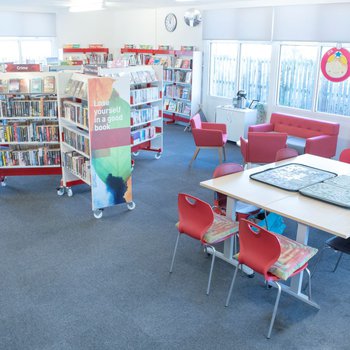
182, 76
94, 126
29, 132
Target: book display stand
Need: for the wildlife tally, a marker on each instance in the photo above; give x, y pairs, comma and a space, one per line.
146, 86
29, 133
182, 80
95, 139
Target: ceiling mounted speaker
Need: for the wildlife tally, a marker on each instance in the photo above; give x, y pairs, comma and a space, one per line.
193, 17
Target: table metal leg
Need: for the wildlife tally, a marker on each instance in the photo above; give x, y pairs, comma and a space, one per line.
231, 213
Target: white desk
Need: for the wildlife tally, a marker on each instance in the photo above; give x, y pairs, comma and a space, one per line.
305, 211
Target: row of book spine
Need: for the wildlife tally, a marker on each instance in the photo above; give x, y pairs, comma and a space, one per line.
144, 95
35, 85
29, 157
75, 112
19, 132
78, 165
29, 108
177, 107
143, 115
143, 134
174, 91
77, 141
142, 77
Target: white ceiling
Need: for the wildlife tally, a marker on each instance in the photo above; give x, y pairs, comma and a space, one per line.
64, 4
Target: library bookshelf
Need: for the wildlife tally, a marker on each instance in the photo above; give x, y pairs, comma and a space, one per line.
181, 80
94, 127
146, 86
29, 131
87, 55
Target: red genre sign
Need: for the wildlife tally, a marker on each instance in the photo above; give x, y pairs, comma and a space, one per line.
11, 67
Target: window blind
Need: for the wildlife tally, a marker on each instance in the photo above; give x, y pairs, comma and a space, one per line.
31, 24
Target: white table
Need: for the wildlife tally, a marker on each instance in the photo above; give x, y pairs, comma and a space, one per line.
307, 212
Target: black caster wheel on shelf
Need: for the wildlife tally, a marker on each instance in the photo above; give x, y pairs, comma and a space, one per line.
98, 213
135, 153
157, 155
60, 191
131, 205
3, 181
69, 192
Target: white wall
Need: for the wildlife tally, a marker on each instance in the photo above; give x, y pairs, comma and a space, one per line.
118, 27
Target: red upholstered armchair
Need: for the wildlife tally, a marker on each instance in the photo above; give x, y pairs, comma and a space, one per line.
208, 135
261, 147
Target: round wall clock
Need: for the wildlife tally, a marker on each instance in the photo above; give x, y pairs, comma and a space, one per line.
170, 22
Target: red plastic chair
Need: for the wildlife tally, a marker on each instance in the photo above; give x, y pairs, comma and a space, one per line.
345, 155
208, 135
261, 147
243, 210
197, 220
286, 153
260, 249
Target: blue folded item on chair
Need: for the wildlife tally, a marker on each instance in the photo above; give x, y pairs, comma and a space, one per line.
272, 222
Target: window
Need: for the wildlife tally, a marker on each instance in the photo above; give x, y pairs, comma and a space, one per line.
9, 51
223, 69
23, 50
297, 76
36, 50
333, 97
252, 61
255, 70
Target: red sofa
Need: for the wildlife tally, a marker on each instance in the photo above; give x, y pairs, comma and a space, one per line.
306, 135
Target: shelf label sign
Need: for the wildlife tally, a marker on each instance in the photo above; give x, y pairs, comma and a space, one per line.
11, 67
335, 64
109, 125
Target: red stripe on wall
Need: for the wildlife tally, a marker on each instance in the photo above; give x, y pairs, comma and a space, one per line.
110, 138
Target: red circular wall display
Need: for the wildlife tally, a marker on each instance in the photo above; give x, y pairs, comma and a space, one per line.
335, 64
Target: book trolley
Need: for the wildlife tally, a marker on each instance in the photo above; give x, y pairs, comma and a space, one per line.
29, 132
94, 127
146, 85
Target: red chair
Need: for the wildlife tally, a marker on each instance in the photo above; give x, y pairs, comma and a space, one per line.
208, 135
345, 155
261, 147
286, 153
274, 256
197, 220
243, 210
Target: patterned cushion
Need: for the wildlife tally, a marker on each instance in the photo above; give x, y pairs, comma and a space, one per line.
293, 256
221, 229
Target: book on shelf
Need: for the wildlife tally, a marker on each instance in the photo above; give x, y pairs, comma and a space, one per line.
178, 63
186, 64
49, 84
172, 106
24, 85
3, 85
151, 60
188, 48
13, 85
188, 77
36, 85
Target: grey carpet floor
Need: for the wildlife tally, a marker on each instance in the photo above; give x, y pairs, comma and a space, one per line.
70, 281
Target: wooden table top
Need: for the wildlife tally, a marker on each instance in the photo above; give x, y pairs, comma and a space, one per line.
292, 205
